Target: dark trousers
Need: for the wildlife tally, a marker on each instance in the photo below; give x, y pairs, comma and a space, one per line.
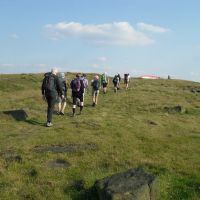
51, 100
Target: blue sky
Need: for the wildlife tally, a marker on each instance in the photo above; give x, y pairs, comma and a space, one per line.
158, 37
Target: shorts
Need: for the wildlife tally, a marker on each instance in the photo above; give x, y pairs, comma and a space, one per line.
95, 92
60, 100
116, 84
76, 96
105, 85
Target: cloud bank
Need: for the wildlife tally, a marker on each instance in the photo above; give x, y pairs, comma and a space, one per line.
152, 28
117, 33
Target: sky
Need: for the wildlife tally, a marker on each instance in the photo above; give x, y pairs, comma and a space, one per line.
155, 37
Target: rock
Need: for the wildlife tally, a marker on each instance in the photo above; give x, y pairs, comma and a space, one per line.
195, 90
58, 163
13, 158
33, 172
68, 148
151, 122
134, 184
175, 109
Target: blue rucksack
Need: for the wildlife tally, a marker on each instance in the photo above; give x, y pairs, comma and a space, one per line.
95, 85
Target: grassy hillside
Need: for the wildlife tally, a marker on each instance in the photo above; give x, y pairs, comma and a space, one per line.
141, 127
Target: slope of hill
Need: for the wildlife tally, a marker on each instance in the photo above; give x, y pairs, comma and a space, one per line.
154, 125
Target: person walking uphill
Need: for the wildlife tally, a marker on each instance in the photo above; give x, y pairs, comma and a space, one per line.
126, 80
104, 81
62, 101
77, 87
116, 82
51, 87
95, 90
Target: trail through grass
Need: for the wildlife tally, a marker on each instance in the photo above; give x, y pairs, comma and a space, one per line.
128, 129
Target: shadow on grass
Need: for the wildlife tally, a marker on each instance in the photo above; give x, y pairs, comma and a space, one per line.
77, 191
19, 115
35, 122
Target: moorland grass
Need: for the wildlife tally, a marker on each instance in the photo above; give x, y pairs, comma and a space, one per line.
129, 129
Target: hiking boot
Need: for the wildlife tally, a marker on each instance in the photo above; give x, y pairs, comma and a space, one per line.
58, 113
93, 104
49, 124
61, 113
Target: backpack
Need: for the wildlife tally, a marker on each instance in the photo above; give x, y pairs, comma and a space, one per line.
119, 77
116, 79
76, 85
95, 85
104, 78
126, 76
85, 82
49, 82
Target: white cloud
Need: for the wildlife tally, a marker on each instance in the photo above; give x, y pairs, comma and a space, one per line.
14, 36
117, 33
152, 28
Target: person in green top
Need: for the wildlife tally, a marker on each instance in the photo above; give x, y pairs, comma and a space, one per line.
104, 81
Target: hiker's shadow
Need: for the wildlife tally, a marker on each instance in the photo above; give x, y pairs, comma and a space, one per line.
34, 122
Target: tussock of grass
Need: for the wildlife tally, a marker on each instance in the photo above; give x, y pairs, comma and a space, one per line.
130, 129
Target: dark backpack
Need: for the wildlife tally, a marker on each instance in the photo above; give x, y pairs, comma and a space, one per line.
63, 84
95, 85
76, 85
115, 79
49, 82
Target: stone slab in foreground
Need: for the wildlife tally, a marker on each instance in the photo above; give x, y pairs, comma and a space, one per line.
134, 184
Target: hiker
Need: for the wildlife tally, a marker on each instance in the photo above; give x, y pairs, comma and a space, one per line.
104, 81
126, 80
51, 87
77, 87
85, 83
62, 101
116, 81
95, 90
118, 75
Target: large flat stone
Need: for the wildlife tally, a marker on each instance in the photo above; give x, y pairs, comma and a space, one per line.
68, 148
134, 184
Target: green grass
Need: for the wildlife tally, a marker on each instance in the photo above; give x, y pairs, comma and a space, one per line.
130, 129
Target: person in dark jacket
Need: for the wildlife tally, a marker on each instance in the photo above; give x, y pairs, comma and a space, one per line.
77, 87
51, 87
95, 90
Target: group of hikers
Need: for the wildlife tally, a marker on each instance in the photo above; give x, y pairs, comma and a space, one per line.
54, 89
